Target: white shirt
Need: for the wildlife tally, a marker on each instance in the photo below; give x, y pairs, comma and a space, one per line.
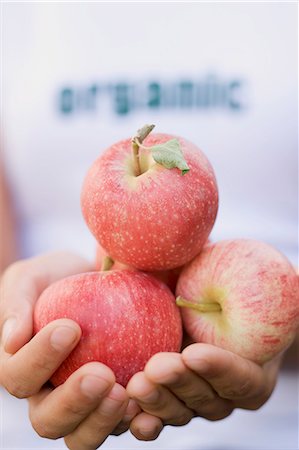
77, 77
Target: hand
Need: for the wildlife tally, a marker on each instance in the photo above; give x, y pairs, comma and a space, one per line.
89, 405
203, 381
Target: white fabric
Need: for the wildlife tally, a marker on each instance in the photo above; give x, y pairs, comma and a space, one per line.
51, 46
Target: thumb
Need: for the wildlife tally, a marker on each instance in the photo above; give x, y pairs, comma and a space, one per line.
21, 285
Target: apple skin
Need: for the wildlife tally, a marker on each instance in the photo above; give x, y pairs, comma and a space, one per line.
125, 317
169, 277
159, 220
258, 291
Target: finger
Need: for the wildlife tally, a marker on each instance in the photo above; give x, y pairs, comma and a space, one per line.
93, 431
169, 370
24, 373
232, 376
132, 410
146, 427
21, 285
158, 401
56, 413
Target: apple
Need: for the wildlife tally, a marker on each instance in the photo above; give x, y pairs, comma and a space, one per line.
151, 201
125, 317
104, 262
169, 277
241, 295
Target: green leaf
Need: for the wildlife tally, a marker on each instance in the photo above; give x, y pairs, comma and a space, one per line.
170, 155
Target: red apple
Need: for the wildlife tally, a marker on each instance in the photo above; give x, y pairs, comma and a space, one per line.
241, 295
151, 217
125, 316
169, 277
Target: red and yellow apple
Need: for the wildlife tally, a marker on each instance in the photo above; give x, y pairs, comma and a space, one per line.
169, 277
125, 317
241, 295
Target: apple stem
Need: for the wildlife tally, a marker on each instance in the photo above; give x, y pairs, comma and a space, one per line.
201, 307
107, 264
136, 144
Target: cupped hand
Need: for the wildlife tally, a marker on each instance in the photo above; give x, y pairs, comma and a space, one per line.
202, 381
89, 405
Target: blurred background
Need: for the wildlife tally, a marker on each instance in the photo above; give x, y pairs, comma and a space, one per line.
76, 77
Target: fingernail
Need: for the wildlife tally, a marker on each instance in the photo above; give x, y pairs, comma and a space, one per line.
151, 397
115, 400
8, 328
63, 337
93, 386
149, 433
132, 410
196, 359
200, 365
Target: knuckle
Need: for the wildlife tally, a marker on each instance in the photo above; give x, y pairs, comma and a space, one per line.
254, 403
72, 443
197, 403
16, 385
182, 419
41, 364
161, 404
242, 390
43, 429
219, 414
17, 389
73, 409
254, 406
